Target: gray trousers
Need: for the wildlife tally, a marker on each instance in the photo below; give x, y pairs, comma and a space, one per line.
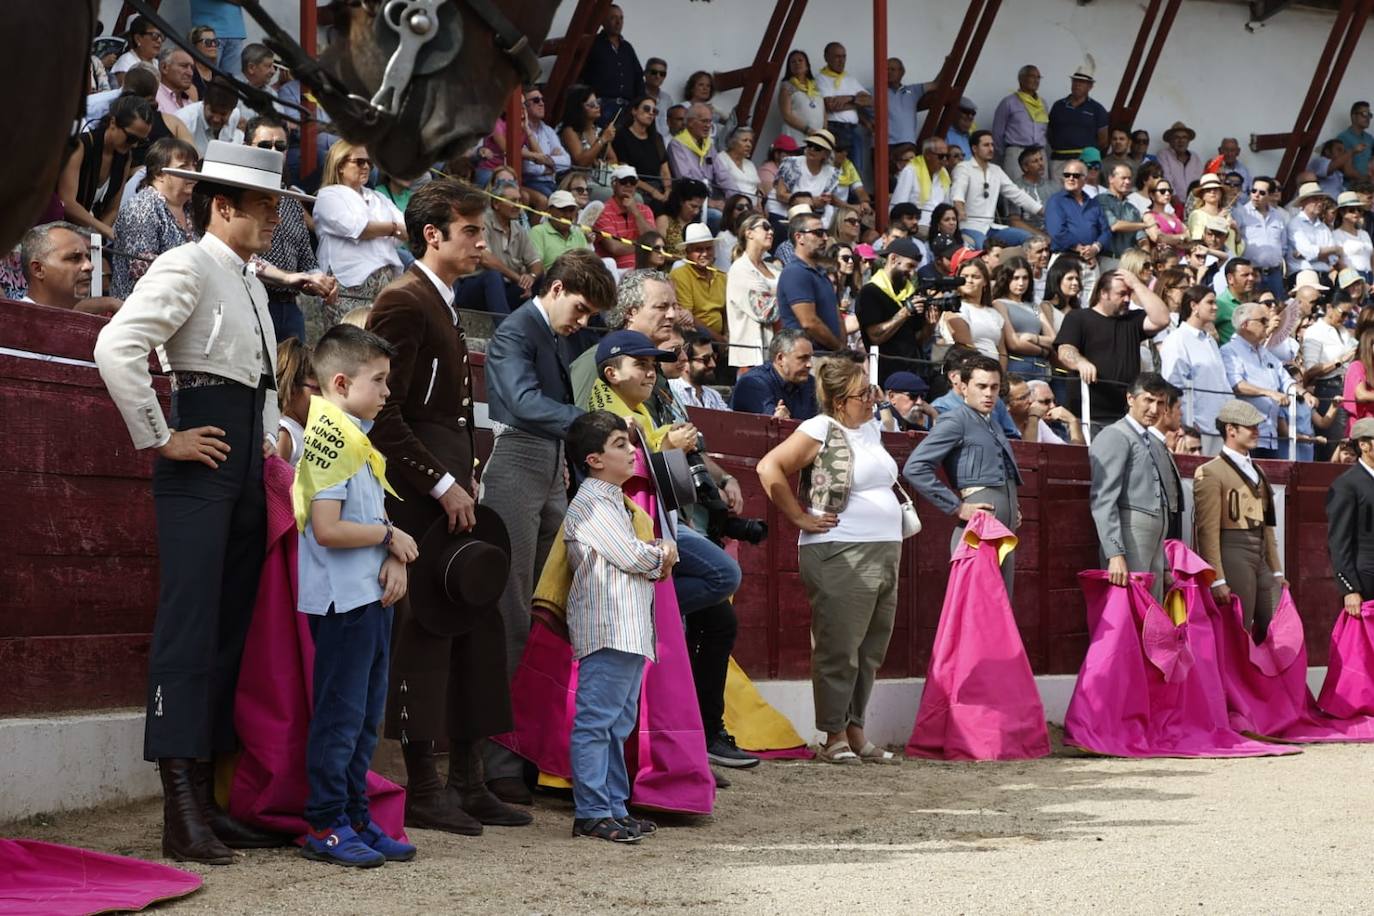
1144, 537
1249, 577
523, 482
1003, 500
852, 588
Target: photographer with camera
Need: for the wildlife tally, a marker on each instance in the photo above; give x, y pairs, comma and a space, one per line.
893, 315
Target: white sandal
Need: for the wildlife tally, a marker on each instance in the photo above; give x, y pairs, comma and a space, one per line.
871, 753
839, 753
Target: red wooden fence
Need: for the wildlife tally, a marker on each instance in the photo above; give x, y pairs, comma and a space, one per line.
78, 574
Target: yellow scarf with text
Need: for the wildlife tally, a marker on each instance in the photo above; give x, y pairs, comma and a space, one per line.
1035, 107
334, 450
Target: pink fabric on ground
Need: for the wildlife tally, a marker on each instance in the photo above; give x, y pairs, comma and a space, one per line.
59, 880
980, 700
1149, 687
667, 754
274, 699
1349, 687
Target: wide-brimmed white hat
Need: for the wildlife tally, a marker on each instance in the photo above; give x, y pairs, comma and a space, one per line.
1308, 278
241, 166
697, 234
1309, 189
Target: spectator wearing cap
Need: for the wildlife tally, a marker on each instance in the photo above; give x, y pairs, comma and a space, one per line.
847, 106
1257, 375
892, 316
1311, 246
1092, 161
958, 134
979, 185
1234, 519
623, 219
700, 287
955, 358
806, 297
782, 147
1076, 223
554, 236
1262, 228
1076, 121
904, 406
1181, 165
1020, 120
811, 172
612, 67
1191, 360
925, 181
783, 388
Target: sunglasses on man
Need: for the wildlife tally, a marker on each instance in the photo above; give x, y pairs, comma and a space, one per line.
280, 146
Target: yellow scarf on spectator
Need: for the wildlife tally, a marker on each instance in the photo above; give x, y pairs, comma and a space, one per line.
700, 147
837, 77
604, 397
884, 282
806, 85
334, 450
1035, 107
923, 176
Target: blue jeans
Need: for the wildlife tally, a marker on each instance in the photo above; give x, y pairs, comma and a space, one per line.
231, 54
704, 575
352, 652
488, 291
1009, 236
287, 319
607, 706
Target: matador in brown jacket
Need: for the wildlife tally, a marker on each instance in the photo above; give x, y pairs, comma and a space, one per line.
441, 687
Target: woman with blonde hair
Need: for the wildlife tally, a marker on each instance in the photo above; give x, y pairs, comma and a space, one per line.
751, 287
295, 385
850, 548
357, 228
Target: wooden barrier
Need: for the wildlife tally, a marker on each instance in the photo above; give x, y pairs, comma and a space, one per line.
78, 570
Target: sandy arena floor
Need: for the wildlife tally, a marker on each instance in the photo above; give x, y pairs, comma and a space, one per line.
1069, 834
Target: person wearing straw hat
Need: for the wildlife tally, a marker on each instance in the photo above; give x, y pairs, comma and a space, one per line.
1181, 165
203, 308
1234, 519
1311, 246
1076, 121
1350, 234
700, 287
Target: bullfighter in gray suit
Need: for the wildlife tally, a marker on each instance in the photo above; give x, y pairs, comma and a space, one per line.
972, 448
1129, 497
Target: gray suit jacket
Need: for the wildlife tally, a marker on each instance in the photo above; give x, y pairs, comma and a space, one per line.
973, 452
1124, 476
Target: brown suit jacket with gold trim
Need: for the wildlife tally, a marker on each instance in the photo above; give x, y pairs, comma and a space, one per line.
1224, 499
430, 382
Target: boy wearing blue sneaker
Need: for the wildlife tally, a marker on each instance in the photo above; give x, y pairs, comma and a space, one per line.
610, 615
352, 570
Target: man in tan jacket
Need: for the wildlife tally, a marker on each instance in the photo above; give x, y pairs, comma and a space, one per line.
1234, 520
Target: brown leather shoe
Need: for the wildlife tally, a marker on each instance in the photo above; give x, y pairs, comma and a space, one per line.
465, 779
231, 832
186, 835
429, 805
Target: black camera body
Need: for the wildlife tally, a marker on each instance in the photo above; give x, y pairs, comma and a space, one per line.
720, 524
941, 292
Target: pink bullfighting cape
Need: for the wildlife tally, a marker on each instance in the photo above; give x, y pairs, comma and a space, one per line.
1266, 684
1149, 685
59, 880
980, 700
1349, 687
275, 692
666, 756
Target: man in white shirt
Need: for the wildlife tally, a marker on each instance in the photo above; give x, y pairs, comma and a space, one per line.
215, 117
1311, 246
56, 260
979, 184
845, 101
1262, 226
1190, 359
691, 389
544, 155
925, 181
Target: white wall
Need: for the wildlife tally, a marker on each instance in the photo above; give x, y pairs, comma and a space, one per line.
1214, 75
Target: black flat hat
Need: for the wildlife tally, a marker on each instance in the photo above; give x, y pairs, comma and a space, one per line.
459, 575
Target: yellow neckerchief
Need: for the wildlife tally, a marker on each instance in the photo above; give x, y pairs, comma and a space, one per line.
1035, 107
334, 450
849, 175
555, 581
881, 280
700, 147
923, 176
837, 77
604, 397
806, 85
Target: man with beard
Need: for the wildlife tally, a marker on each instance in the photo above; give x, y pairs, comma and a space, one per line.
691, 388
891, 314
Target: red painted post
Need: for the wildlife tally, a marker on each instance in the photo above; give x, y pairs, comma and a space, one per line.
515, 130
880, 138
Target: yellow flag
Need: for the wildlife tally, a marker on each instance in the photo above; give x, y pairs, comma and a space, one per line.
335, 449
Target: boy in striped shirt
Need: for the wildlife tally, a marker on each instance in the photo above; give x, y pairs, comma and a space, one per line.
610, 614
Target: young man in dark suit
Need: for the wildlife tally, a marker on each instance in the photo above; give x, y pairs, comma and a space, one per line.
1350, 517
530, 400
451, 687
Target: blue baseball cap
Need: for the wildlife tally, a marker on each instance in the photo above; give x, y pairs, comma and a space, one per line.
908, 382
629, 343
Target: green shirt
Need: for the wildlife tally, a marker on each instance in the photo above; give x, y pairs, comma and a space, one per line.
1226, 305
550, 243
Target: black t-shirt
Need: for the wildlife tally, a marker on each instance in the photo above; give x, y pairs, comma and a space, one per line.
647, 155
876, 307
1113, 346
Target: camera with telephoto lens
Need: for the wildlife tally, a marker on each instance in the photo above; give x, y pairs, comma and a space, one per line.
941, 292
720, 524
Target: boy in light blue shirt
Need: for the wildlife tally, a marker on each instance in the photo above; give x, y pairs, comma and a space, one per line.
352, 571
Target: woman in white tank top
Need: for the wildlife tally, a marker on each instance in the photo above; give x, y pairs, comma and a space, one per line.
979, 323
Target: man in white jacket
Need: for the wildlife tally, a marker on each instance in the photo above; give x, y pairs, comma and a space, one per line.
979, 183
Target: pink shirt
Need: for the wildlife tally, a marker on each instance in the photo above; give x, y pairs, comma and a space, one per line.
1354, 375
169, 101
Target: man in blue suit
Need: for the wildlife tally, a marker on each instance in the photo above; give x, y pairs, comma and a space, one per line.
530, 401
